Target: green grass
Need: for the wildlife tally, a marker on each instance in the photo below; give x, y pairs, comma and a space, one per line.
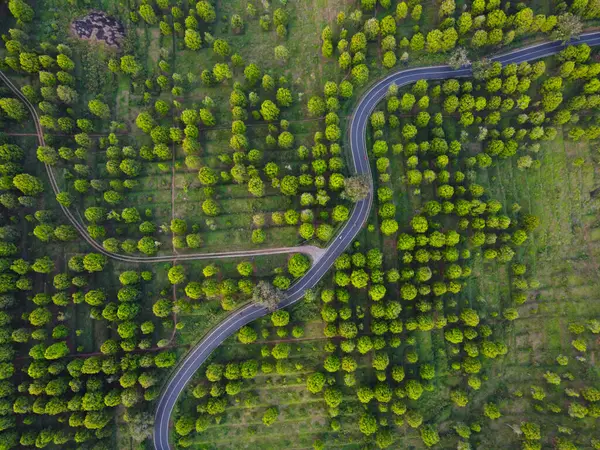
561, 255
562, 258
237, 204
305, 72
303, 416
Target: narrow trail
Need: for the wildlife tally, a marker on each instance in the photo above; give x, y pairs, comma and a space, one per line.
185, 370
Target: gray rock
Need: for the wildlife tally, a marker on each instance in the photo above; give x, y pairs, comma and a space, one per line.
100, 27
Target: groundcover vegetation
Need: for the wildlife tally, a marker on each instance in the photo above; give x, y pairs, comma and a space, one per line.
139, 138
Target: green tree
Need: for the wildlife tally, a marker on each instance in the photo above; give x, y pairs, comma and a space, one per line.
429, 435
130, 66
367, 424
340, 213
94, 262
13, 108
145, 122
247, 335
147, 13
284, 97
165, 360
56, 350
192, 39
210, 207
177, 275
289, 185
206, 11
298, 265
21, 10
40, 317
492, 411
207, 176
29, 62
315, 382
389, 226
285, 140
280, 318
221, 47
459, 397
360, 74
185, 425
269, 110
99, 109
401, 11
270, 416
381, 360
531, 431
252, 74
281, 53
414, 389
258, 236
316, 106
417, 42
237, 23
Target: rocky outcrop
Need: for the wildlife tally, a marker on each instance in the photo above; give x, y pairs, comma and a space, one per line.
97, 26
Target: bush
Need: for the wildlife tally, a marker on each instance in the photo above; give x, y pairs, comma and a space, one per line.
270, 416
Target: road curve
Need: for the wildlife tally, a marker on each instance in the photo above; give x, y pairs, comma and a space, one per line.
310, 250
357, 130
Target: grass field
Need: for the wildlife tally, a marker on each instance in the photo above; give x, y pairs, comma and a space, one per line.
561, 256
303, 416
175, 192
562, 266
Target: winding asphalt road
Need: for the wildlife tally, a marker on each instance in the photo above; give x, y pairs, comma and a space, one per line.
314, 252
360, 164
